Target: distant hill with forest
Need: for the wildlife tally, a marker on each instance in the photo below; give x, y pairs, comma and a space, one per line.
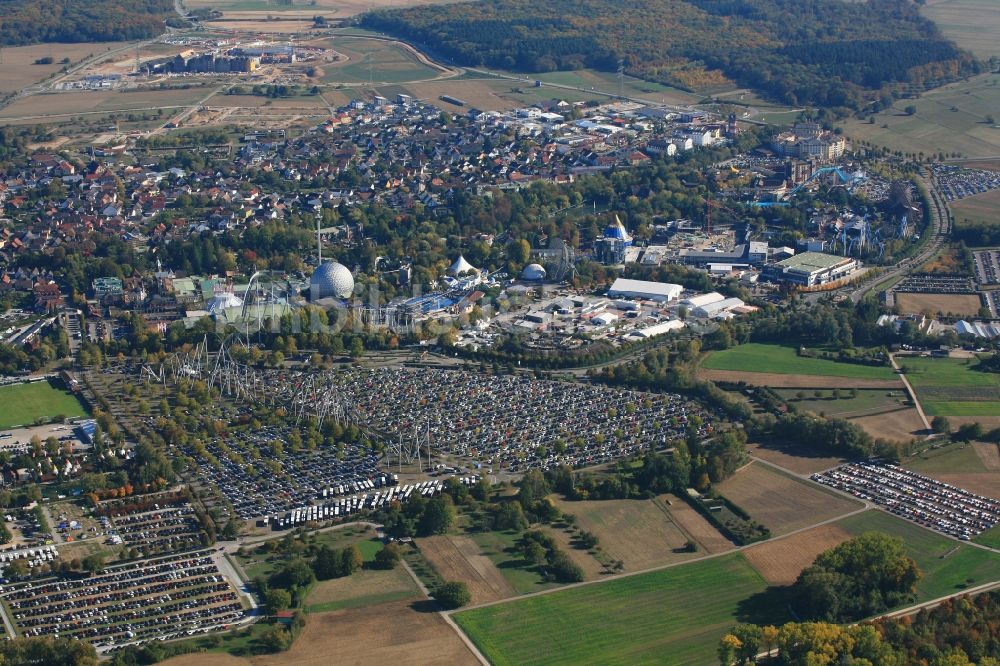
823, 52
33, 21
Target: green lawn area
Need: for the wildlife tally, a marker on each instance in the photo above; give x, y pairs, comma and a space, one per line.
367, 587
674, 615
990, 537
947, 565
866, 401
261, 562
952, 387
952, 459
24, 403
784, 360
499, 547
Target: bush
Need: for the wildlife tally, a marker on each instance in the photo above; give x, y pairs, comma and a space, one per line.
388, 557
453, 594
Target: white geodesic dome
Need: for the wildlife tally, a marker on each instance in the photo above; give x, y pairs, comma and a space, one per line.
331, 280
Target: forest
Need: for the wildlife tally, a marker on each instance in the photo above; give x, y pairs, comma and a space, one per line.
833, 54
960, 631
32, 21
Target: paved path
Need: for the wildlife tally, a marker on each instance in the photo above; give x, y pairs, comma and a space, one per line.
909, 389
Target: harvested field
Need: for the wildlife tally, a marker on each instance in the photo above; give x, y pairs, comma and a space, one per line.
392, 633
18, 70
780, 562
588, 564
898, 424
989, 454
696, 526
780, 501
775, 380
367, 587
479, 93
459, 558
253, 22
973, 24
794, 458
958, 304
983, 483
641, 533
205, 659
64, 105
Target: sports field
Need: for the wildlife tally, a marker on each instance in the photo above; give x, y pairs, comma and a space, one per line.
676, 614
947, 119
952, 387
24, 403
972, 24
948, 566
779, 359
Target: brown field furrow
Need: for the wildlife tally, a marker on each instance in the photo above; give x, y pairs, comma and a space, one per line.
780, 502
394, 633
694, 524
794, 459
459, 558
960, 304
989, 454
776, 380
981, 483
899, 424
780, 562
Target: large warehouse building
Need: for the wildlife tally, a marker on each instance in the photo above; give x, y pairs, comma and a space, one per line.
644, 289
809, 269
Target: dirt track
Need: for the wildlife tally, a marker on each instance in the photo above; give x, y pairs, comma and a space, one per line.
459, 558
776, 380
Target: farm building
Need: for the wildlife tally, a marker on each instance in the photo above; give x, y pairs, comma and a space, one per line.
653, 291
810, 268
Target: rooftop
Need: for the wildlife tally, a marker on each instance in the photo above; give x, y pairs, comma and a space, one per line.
811, 261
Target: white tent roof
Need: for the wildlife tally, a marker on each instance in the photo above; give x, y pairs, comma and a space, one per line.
461, 266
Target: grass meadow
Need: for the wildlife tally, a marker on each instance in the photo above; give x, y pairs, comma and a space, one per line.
784, 360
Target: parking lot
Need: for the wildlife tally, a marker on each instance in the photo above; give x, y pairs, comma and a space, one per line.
512, 423
169, 597
987, 266
958, 183
933, 504
500, 424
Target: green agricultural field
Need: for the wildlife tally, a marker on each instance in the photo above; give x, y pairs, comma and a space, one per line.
952, 387
951, 459
23, 404
948, 565
677, 614
783, 360
865, 401
383, 62
972, 24
950, 119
